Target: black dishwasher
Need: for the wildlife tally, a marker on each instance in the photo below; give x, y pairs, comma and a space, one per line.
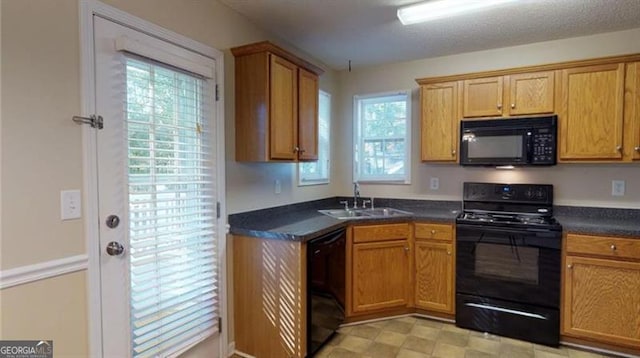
325, 288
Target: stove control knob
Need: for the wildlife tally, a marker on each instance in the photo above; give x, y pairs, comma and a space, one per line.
540, 194
528, 193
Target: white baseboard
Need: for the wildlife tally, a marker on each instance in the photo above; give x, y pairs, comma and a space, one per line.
231, 348
42, 270
598, 350
245, 355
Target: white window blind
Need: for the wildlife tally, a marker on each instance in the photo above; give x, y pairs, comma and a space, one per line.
172, 209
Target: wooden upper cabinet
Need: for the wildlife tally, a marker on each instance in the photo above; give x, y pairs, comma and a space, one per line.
276, 105
512, 95
632, 112
590, 112
531, 93
283, 109
308, 113
439, 122
482, 97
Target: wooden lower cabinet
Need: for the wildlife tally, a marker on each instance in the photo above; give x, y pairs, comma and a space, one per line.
380, 275
601, 295
434, 263
378, 272
269, 286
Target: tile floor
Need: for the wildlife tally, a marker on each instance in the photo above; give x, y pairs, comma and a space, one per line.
410, 337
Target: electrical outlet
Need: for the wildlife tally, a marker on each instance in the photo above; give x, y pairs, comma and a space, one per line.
434, 183
70, 205
277, 187
617, 187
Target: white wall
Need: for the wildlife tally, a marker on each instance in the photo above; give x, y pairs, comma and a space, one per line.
575, 184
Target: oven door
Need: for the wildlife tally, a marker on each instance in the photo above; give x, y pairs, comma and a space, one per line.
495, 146
509, 264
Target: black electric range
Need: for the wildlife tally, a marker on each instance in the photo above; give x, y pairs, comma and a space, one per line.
508, 257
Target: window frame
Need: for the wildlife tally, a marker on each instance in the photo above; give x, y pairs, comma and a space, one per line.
358, 140
319, 180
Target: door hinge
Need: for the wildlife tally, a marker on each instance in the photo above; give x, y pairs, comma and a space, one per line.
219, 324
95, 121
217, 92
218, 210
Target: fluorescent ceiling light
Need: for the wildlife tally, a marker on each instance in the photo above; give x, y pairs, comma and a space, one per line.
437, 9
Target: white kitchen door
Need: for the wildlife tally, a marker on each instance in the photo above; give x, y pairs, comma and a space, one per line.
157, 193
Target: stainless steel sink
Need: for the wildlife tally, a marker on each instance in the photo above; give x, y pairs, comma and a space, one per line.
344, 214
364, 213
386, 212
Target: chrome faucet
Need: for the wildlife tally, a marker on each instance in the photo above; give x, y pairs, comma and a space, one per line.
356, 194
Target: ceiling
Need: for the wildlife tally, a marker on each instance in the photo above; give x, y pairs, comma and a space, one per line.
367, 32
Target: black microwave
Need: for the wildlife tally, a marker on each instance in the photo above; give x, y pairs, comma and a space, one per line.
509, 141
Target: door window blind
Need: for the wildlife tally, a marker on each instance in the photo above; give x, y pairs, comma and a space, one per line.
172, 208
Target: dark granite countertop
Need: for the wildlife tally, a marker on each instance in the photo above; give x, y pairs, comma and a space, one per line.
302, 221
599, 221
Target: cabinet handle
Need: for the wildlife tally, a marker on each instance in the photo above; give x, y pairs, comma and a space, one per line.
499, 106
296, 150
433, 232
637, 149
453, 152
619, 148
613, 247
449, 253
406, 248
513, 105
569, 266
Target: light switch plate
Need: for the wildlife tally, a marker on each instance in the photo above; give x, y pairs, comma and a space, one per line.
277, 187
617, 187
70, 205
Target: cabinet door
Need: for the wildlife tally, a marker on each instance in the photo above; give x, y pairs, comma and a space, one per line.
591, 112
632, 111
434, 276
439, 126
482, 97
380, 275
307, 115
283, 127
531, 93
602, 300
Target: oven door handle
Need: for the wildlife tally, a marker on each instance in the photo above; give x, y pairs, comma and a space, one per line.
513, 231
506, 310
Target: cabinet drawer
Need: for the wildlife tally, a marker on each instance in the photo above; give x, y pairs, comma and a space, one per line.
603, 246
434, 231
370, 233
